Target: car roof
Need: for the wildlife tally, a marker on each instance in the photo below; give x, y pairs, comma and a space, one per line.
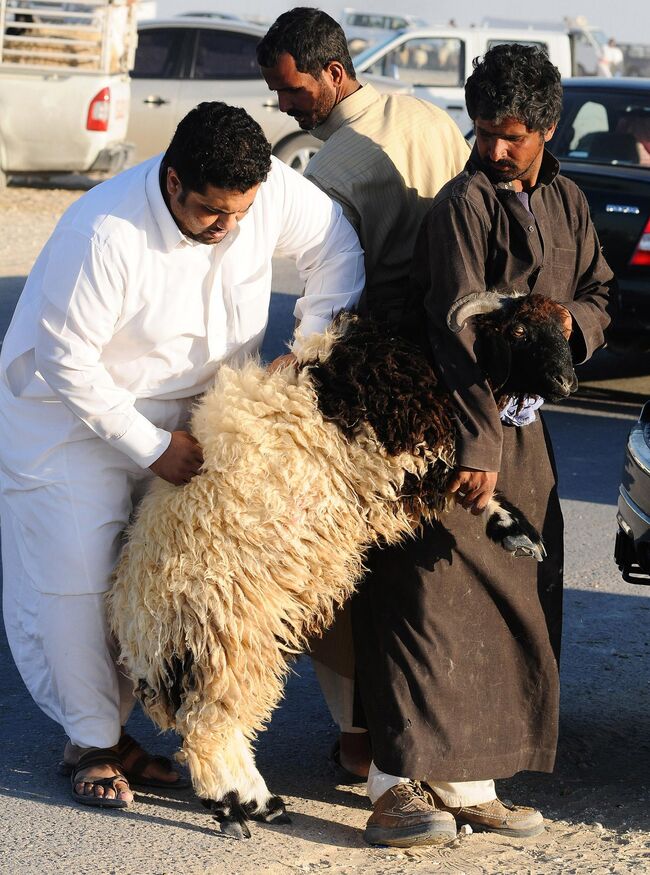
598, 83
204, 22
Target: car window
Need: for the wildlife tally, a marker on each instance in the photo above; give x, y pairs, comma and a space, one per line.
426, 62
159, 53
491, 43
606, 128
590, 118
222, 54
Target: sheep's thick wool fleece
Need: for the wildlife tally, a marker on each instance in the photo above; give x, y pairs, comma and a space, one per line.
254, 553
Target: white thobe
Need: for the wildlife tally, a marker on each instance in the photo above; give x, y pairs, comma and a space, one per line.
122, 322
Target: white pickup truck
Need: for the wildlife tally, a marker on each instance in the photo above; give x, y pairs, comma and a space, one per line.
64, 85
434, 62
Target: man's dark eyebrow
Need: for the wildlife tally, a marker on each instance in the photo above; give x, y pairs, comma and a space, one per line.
226, 212
500, 136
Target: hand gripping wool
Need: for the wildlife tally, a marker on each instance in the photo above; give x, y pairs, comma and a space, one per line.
222, 580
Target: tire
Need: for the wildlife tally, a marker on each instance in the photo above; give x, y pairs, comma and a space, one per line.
297, 151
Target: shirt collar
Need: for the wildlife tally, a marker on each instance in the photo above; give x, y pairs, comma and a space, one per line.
547, 172
171, 234
346, 111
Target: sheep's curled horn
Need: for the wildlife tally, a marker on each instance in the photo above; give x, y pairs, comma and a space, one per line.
479, 302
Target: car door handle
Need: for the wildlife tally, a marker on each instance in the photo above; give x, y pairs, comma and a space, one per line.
270, 104
155, 101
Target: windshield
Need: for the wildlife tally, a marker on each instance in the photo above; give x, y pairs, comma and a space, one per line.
600, 37
362, 57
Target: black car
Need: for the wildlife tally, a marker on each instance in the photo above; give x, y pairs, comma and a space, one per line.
603, 144
632, 550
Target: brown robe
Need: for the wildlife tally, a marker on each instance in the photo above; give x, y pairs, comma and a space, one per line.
457, 642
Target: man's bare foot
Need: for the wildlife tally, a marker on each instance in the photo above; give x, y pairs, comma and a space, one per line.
146, 769
138, 766
354, 754
98, 778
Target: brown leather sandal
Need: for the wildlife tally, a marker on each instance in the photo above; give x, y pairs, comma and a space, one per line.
127, 746
98, 756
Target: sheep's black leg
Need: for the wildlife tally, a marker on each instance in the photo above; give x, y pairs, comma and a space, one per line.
507, 525
230, 814
272, 811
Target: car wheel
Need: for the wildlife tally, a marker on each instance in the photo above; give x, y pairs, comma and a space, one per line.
297, 151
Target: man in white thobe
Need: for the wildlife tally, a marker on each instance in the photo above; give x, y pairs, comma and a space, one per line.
148, 283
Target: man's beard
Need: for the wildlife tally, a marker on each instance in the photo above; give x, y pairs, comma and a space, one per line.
203, 236
501, 172
506, 171
319, 114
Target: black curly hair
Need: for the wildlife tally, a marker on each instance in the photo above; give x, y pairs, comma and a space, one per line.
375, 376
220, 145
515, 81
311, 37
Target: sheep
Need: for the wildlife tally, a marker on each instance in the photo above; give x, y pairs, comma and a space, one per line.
221, 581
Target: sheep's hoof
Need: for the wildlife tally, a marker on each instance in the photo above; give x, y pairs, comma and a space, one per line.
230, 814
521, 545
235, 829
273, 811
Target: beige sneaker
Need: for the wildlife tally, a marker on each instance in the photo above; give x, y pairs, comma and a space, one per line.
518, 821
406, 815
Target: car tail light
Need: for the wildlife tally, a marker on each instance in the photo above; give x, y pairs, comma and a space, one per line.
99, 111
642, 251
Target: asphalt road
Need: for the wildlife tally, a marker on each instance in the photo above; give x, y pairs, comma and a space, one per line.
598, 795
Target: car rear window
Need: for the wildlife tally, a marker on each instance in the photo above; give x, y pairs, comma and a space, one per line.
604, 128
158, 53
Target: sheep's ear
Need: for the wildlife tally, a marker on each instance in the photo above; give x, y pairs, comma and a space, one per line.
495, 358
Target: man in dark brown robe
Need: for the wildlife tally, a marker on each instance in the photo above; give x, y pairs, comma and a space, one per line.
457, 642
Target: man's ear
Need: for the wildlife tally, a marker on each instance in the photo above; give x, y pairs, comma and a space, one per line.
549, 133
173, 183
335, 72
494, 357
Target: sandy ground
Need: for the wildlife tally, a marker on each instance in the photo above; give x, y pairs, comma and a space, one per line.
596, 803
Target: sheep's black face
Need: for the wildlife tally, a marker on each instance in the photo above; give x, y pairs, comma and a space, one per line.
374, 376
529, 351
542, 363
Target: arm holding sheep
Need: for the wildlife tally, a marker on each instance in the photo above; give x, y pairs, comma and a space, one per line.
441, 276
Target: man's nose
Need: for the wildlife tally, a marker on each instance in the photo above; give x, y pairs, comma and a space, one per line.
497, 150
227, 221
284, 102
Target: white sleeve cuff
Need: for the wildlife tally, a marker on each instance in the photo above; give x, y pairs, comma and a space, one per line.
142, 441
310, 325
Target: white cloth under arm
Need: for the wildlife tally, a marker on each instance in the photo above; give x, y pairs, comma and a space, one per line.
121, 305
